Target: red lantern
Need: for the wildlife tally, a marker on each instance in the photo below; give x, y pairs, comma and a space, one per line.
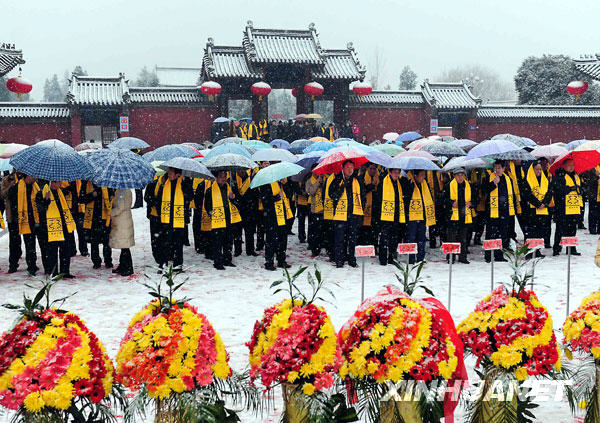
294, 92
577, 88
362, 88
210, 88
313, 89
19, 85
260, 89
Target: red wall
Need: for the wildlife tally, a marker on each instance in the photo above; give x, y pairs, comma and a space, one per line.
542, 132
375, 122
167, 125
30, 132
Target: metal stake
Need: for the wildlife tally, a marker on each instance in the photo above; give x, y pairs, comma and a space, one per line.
449, 282
492, 262
568, 277
362, 285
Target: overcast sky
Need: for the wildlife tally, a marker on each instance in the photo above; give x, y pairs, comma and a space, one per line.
111, 36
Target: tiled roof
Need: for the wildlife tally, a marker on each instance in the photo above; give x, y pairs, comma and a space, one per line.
9, 59
226, 62
538, 112
589, 65
177, 77
90, 90
340, 64
388, 98
449, 95
34, 110
282, 46
164, 95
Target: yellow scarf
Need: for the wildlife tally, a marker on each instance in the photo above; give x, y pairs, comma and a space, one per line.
159, 181
23, 206
318, 196
89, 207
538, 190
252, 133
597, 168
218, 219
454, 197
263, 126
282, 207
415, 211
2, 226
178, 205
195, 183
515, 184
388, 201
573, 200
494, 197
368, 207
206, 220
53, 218
243, 185
327, 201
341, 209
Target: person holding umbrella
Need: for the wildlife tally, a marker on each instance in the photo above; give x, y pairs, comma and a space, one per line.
98, 204
370, 181
314, 189
223, 213
56, 225
569, 204
421, 214
592, 179
122, 235
459, 199
248, 204
152, 213
345, 192
536, 196
389, 208
500, 206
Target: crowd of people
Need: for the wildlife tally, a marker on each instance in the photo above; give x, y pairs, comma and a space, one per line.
288, 130
368, 205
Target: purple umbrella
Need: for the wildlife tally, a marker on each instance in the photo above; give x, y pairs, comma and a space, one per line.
491, 148
280, 144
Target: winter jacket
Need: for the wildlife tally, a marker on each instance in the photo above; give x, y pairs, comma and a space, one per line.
121, 222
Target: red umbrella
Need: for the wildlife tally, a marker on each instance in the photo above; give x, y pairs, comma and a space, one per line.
333, 162
277, 116
583, 160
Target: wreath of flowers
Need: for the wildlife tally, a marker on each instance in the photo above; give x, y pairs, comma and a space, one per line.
394, 337
581, 330
512, 330
294, 342
50, 359
170, 351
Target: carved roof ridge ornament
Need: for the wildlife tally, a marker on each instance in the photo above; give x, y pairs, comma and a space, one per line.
248, 42
125, 88
208, 59
362, 69
315, 36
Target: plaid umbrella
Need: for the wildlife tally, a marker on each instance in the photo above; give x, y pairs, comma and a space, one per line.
227, 148
167, 152
189, 167
52, 163
120, 169
229, 162
513, 155
129, 143
439, 148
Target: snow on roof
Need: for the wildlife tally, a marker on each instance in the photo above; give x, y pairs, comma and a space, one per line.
449, 95
538, 112
590, 65
10, 110
9, 58
165, 95
98, 91
388, 98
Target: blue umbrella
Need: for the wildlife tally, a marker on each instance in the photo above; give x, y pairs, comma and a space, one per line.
120, 169
379, 158
412, 163
247, 119
221, 119
280, 144
298, 146
574, 144
52, 162
407, 137
320, 146
342, 140
309, 159
227, 148
490, 148
129, 143
188, 167
275, 173
274, 155
167, 152
5, 165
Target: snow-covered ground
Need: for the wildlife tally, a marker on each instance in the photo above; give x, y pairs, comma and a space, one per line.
233, 299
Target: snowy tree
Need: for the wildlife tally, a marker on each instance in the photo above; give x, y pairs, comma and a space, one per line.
484, 82
4, 93
79, 71
53, 90
543, 80
408, 79
147, 78
376, 68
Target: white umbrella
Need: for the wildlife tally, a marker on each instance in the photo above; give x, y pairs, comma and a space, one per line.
550, 151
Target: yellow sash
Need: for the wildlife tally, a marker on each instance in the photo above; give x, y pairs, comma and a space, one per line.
2, 226
573, 200
89, 207
597, 168
53, 219
282, 207
368, 206
159, 181
515, 185
454, 197
494, 197
23, 206
318, 196
178, 205
538, 190
415, 211
388, 201
195, 183
206, 220
244, 185
341, 209
327, 201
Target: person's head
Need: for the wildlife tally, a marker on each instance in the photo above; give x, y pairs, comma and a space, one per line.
460, 175
221, 177
54, 185
273, 122
364, 138
499, 168
537, 168
544, 163
264, 164
348, 168
372, 169
419, 175
29, 179
173, 173
568, 165
331, 125
394, 174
